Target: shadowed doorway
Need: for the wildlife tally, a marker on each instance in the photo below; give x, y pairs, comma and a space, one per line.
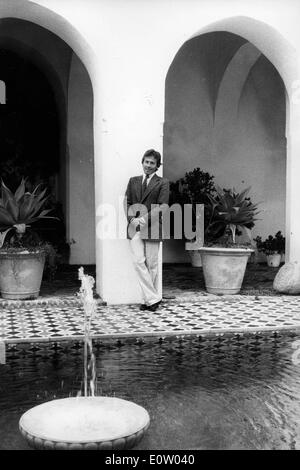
30, 135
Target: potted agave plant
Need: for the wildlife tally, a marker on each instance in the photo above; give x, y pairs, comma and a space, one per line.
22, 253
273, 247
224, 260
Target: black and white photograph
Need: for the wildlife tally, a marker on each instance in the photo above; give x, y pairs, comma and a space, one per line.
149, 228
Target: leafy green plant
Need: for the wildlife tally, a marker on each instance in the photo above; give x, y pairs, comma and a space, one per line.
194, 188
271, 245
229, 212
18, 211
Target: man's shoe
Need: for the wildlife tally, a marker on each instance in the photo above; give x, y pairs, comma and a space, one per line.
143, 307
154, 307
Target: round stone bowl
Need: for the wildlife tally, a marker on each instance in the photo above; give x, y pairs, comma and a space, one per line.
95, 423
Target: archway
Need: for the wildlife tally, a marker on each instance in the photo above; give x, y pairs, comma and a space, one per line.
29, 126
225, 112
70, 160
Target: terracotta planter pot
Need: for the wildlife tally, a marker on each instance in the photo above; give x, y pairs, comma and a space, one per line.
21, 274
224, 268
274, 260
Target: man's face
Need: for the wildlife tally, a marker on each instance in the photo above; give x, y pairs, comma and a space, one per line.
149, 165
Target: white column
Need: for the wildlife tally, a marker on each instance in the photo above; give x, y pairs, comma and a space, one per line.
128, 119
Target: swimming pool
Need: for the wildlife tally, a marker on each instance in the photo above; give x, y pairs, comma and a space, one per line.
215, 393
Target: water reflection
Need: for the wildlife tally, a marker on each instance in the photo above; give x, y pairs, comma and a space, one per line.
215, 393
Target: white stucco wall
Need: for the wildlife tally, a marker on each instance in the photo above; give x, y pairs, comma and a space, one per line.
128, 47
80, 166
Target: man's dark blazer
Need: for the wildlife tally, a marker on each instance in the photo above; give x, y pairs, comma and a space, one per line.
151, 205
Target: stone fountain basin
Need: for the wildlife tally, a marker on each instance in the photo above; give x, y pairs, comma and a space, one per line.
100, 423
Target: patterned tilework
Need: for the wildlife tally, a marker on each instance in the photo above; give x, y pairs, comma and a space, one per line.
50, 301
239, 315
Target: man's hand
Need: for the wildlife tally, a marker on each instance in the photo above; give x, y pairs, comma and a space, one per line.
135, 225
142, 221
135, 222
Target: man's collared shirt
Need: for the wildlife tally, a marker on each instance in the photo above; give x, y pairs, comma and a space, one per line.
149, 178
142, 220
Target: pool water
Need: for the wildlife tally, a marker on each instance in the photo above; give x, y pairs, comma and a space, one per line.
214, 393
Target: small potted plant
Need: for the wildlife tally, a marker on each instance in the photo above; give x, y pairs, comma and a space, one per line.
22, 252
224, 259
273, 247
194, 188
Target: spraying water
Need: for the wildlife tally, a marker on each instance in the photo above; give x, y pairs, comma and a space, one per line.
89, 306
87, 422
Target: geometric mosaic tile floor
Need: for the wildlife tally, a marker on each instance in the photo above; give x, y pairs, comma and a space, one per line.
241, 314
57, 315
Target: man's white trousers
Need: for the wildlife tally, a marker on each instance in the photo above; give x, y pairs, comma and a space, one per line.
145, 259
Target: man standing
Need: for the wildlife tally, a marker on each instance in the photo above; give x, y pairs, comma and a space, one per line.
147, 197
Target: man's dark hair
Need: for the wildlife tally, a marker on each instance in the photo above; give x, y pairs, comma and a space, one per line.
153, 153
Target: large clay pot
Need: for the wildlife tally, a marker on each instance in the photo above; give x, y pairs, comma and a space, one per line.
224, 268
274, 260
21, 274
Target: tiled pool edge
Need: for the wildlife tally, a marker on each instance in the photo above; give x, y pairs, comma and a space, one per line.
44, 302
230, 315
159, 335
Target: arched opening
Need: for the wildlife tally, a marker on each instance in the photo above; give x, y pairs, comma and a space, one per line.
29, 125
225, 112
47, 130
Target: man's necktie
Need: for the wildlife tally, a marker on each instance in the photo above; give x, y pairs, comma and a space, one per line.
144, 185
